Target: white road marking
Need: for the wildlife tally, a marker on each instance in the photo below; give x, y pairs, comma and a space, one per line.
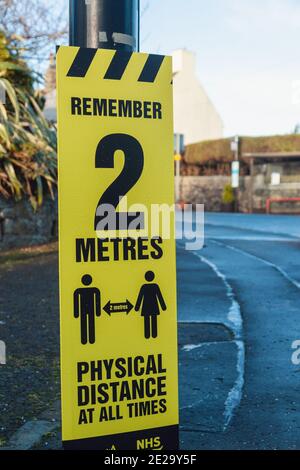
192, 347
253, 238
235, 321
262, 260
275, 233
235, 395
234, 315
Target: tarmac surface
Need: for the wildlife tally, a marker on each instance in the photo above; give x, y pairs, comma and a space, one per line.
248, 279
239, 314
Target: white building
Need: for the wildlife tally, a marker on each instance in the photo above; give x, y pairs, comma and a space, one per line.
194, 114
50, 91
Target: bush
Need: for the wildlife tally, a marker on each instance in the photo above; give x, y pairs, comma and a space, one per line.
228, 195
219, 151
28, 144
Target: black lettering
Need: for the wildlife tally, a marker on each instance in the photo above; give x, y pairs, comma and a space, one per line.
142, 247
139, 368
145, 408
154, 407
76, 106
121, 368
96, 370
150, 388
108, 364
103, 415
82, 417
130, 408
87, 106
157, 111
93, 395
160, 368
129, 245
83, 395
103, 395
82, 369
116, 108
147, 110
158, 253
116, 244
137, 109
129, 367
151, 365
161, 386
112, 106
125, 108
162, 405
99, 107
125, 393
137, 389
114, 389
85, 250
102, 249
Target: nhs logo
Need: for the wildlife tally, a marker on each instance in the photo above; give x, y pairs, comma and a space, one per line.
153, 443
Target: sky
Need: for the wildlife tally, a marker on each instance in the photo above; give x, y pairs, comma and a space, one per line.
247, 52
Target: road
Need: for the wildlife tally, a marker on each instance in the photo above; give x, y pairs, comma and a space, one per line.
242, 391
239, 313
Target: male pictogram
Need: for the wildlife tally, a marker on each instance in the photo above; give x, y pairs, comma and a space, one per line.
150, 301
87, 305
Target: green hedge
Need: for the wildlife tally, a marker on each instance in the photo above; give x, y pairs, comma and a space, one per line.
220, 151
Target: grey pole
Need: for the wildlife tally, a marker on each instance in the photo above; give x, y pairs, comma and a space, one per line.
178, 150
107, 24
235, 145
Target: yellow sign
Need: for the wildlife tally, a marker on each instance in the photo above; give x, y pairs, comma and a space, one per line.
177, 157
117, 266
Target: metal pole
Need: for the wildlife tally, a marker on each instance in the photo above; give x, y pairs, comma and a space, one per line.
235, 178
251, 185
237, 151
178, 181
107, 24
177, 166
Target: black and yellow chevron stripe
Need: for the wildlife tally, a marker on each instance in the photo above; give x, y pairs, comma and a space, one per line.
117, 67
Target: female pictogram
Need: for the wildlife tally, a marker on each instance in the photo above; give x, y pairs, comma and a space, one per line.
150, 301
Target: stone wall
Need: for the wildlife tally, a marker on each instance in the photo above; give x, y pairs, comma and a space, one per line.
205, 190
208, 190
21, 226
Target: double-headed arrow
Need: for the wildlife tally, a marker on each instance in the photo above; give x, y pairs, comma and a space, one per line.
120, 307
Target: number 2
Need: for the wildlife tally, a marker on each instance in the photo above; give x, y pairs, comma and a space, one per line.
130, 175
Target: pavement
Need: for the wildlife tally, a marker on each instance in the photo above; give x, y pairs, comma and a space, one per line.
29, 382
256, 258
239, 309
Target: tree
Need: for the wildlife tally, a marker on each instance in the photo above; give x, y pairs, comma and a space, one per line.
13, 67
33, 27
297, 129
28, 163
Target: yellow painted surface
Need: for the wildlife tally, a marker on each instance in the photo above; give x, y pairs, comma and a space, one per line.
81, 185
